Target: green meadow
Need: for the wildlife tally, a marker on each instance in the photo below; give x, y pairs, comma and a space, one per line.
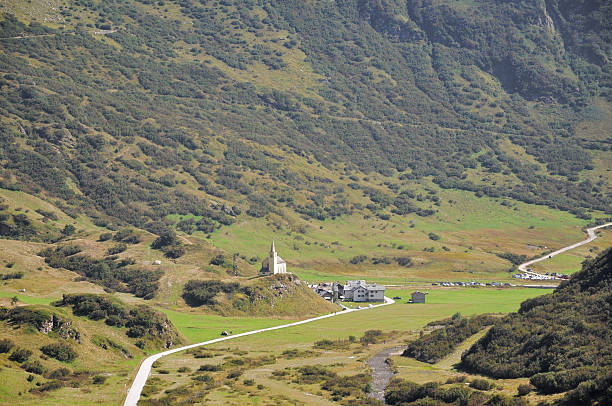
440, 303
203, 327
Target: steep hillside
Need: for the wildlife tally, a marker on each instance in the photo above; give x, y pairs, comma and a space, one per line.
61, 352
140, 110
562, 341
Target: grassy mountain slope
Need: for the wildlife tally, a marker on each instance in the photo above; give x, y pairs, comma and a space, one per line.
356, 86
561, 340
384, 130
68, 355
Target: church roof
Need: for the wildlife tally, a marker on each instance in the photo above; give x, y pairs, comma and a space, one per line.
279, 260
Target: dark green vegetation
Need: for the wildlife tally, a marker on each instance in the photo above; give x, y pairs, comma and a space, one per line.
110, 272
60, 351
198, 293
142, 322
282, 294
402, 392
20, 226
452, 332
135, 127
561, 341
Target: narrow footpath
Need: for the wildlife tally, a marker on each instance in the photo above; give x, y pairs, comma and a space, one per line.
145, 368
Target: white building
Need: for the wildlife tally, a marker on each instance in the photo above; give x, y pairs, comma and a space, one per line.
273, 264
360, 291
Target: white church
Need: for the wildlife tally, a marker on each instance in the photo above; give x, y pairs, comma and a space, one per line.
273, 264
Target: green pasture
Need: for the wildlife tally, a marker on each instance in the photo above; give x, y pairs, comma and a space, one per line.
27, 299
471, 231
564, 263
401, 316
203, 327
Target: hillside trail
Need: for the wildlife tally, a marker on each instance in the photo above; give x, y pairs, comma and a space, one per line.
96, 32
590, 237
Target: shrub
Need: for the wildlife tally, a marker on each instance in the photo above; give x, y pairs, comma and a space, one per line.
433, 236
34, 367
99, 379
48, 386
20, 355
218, 260
524, 389
371, 337
60, 351
204, 378
481, 384
59, 373
116, 249
209, 368
5, 345
105, 236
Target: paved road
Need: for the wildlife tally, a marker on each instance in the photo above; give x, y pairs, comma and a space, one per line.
591, 236
145, 368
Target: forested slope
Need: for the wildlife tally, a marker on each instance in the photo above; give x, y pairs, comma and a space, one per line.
562, 341
133, 110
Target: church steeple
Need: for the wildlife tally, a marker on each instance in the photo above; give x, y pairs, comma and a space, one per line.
272, 248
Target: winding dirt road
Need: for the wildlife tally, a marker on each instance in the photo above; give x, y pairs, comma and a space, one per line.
145, 368
591, 236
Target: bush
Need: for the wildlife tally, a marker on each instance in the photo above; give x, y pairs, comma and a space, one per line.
198, 293
481, 384
209, 368
218, 260
60, 351
99, 379
34, 367
371, 337
105, 236
59, 373
204, 378
434, 236
524, 389
5, 345
20, 355
116, 249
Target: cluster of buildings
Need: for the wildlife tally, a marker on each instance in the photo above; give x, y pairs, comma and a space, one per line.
352, 291
472, 283
539, 277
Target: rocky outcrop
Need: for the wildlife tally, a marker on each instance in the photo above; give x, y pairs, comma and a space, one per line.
64, 328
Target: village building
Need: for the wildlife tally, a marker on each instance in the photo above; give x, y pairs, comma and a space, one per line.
360, 291
418, 297
273, 264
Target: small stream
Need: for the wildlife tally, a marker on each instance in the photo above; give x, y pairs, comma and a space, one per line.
381, 371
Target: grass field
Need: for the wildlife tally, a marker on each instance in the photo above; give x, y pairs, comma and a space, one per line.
471, 231
400, 321
570, 261
441, 303
200, 327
